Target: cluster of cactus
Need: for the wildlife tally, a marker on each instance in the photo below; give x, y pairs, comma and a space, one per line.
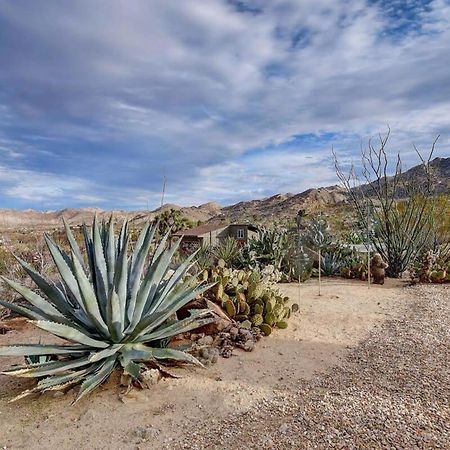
430, 267
248, 298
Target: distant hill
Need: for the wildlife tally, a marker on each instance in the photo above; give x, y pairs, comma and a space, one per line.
440, 169
276, 207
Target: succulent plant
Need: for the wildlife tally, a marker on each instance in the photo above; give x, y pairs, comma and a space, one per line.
247, 298
226, 250
257, 320
115, 312
266, 329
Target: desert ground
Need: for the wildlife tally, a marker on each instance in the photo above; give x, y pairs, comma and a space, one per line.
356, 368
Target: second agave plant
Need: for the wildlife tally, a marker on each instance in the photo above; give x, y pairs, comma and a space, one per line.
116, 309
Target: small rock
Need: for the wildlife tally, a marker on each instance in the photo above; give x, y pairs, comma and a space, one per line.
206, 340
150, 377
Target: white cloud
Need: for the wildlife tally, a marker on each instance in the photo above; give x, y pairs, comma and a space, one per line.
193, 86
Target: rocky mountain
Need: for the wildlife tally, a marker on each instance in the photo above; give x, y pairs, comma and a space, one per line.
282, 206
440, 170
276, 207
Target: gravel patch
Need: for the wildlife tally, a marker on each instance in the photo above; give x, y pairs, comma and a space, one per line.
392, 391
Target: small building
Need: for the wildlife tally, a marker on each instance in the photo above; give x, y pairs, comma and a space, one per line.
211, 234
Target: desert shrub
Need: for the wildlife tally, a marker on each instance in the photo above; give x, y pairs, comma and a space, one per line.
270, 247
246, 258
297, 262
204, 258
227, 250
401, 228
331, 264
171, 220
115, 312
431, 267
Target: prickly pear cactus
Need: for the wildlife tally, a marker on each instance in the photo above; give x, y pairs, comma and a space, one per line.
249, 298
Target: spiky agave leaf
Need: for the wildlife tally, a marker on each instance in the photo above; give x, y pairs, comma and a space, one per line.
116, 309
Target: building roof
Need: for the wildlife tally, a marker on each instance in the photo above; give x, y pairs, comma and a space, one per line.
208, 228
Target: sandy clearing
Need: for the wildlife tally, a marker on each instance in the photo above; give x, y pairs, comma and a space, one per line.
318, 337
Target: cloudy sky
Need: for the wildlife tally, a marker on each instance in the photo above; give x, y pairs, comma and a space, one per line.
230, 99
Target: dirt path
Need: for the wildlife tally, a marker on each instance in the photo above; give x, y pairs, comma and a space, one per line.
393, 391
229, 401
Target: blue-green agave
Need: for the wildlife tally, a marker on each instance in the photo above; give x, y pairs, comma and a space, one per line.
117, 310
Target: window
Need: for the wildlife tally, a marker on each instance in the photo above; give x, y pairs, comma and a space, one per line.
241, 233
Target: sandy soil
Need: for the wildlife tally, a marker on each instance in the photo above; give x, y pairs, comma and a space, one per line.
319, 336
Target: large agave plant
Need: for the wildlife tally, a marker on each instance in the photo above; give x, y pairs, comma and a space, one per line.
116, 310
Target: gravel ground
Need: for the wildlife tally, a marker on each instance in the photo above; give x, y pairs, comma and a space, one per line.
393, 391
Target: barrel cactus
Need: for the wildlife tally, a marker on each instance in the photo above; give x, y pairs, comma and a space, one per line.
116, 310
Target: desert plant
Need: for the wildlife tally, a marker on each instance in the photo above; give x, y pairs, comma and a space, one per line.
297, 263
116, 312
204, 258
331, 264
401, 227
270, 247
249, 297
227, 250
171, 220
246, 258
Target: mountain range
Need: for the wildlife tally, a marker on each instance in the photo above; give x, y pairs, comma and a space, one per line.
276, 207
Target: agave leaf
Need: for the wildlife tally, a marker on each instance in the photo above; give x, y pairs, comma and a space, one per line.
39, 349
120, 280
105, 353
114, 317
131, 368
153, 321
64, 270
87, 233
110, 252
141, 352
55, 380
162, 245
73, 243
152, 299
123, 233
89, 298
49, 368
100, 268
55, 295
137, 265
177, 355
36, 300
70, 333
144, 291
97, 378
25, 312
197, 319
158, 273
177, 276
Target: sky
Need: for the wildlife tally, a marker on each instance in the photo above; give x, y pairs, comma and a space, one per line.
230, 100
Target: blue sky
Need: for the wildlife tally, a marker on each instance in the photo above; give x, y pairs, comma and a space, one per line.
231, 100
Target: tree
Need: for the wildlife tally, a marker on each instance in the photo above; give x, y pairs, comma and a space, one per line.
397, 206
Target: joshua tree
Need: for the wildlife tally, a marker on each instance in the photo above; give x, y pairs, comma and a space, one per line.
399, 205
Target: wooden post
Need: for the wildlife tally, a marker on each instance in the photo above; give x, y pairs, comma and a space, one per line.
320, 269
368, 245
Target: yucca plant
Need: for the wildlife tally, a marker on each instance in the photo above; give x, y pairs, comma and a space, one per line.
117, 310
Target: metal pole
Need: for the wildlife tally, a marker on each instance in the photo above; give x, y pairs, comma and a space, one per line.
163, 191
